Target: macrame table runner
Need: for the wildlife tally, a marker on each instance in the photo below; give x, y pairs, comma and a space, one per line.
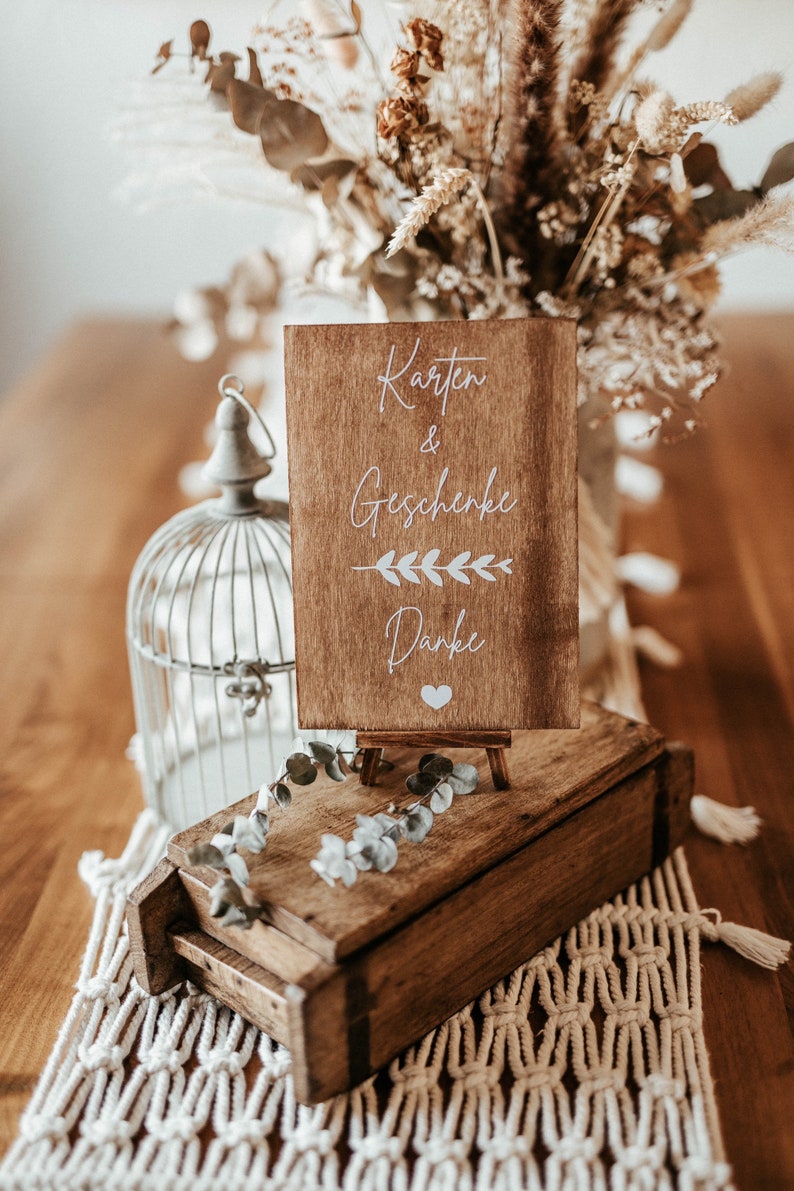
586, 1068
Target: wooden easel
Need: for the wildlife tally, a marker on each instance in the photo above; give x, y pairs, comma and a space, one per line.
494, 743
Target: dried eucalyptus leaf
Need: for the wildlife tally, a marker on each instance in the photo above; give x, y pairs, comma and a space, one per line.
247, 102
291, 133
437, 765
780, 169
305, 777
206, 854
224, 894
420, 783
381, 854
248, 833
334, 771
343, 763
237, 867
234, 916
416, 824
282, 795
426, 758
464, 779
441, 799
299, 763
322, 752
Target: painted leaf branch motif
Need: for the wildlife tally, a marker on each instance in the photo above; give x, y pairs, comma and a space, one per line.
409, 567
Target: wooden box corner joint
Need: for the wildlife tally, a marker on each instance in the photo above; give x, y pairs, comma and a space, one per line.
372, 745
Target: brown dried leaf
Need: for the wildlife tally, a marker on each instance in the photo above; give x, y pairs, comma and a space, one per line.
315, 176
247, 103
291, 133
355, 13
724, 204
199, 39
163, 54
254, 73
330, 191
702, 168
393, 289
219, 75
691, 143
780, 169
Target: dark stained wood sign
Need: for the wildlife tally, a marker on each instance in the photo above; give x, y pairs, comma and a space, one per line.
434, 525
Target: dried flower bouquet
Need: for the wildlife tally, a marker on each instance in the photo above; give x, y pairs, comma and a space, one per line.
497, 160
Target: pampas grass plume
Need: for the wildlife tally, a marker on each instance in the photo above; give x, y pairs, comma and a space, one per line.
668, 25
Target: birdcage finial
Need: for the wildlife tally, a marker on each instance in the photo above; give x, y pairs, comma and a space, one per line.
235, 464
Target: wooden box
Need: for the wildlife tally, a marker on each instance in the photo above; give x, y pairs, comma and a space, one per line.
346, 978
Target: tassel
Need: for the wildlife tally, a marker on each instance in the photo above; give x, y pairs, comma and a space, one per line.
638, 480
762, 949
656, 648
728, 824
648, 572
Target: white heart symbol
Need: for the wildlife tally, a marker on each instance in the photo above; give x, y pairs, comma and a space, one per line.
436, 696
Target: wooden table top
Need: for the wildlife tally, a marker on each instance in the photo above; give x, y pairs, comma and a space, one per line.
90, 448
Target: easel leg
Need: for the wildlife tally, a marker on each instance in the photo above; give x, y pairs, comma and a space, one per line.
370, 764
498, 763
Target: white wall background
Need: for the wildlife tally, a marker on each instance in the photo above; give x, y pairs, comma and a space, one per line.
67, 247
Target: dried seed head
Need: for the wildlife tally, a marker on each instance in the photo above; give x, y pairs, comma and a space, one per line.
748, 99
426, 39
405, 63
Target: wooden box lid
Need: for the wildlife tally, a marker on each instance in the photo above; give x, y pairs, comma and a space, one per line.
346, 978
554, 774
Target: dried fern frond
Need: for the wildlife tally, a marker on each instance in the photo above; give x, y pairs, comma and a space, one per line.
445, 185
769, 222
750, 98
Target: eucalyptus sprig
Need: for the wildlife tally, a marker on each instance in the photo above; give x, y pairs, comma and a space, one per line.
228, 900
375, 837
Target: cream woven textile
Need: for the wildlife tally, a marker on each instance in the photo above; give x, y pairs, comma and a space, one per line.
586, 1069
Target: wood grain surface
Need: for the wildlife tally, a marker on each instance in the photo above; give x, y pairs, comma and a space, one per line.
90, 447
426, 448
555, 774
460, 916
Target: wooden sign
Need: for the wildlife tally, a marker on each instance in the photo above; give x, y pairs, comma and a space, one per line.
434, 526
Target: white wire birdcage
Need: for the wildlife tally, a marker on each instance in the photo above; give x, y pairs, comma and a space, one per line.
211, 639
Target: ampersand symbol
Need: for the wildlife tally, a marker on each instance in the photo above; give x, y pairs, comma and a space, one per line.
432, 443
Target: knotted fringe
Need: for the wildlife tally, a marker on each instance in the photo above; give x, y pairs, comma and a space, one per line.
648, 572
760, 948
728, 824
657, 649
